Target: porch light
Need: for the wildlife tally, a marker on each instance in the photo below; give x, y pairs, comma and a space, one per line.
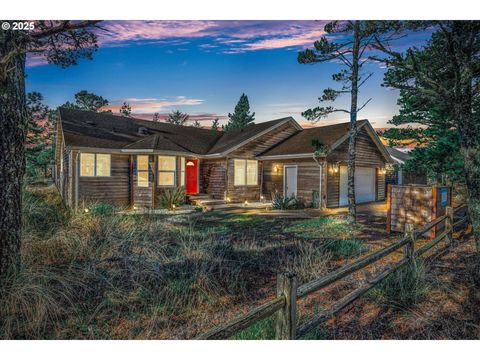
228, 199
383, 171
262, 197
190, 163
335, 167
246, 202
275, 169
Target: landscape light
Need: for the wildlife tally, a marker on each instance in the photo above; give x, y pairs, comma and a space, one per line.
86, 210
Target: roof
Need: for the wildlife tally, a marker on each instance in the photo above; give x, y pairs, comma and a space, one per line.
301, 142
235, 137
87, 129
397, 155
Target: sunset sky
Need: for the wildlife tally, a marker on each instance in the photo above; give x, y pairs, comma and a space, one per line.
202, 68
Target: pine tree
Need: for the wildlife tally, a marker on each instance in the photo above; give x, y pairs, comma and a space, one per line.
357, 37
216, 125
177, 118
241, 116
39, 145
61, 43
196, 123
126, 110
156, 117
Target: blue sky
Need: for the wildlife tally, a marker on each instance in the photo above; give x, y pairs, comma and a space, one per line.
202, 68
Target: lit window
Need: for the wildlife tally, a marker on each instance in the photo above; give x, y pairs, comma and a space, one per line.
142, 170
245, 172
95, 164
166, 170
182, 171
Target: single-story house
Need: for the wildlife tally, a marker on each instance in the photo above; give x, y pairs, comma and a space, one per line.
397, 175
101, 157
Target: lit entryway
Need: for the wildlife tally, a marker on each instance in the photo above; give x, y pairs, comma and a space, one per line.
364, 185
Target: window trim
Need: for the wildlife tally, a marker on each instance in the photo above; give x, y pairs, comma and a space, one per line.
95, 166
144, 171
183, 162
245, 182
167, 171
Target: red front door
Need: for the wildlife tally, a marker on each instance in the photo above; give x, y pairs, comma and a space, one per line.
191, 176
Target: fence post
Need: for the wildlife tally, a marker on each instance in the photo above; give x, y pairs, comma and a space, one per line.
449, 225
285, 328
409, 249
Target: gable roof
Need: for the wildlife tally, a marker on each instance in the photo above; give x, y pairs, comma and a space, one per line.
397, 155
86, 129
235, 137
300, 143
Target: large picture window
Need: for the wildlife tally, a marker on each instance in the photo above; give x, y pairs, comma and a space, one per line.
166, 170
142, 170
246, 172
95, 164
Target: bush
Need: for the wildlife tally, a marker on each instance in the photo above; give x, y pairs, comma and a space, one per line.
344, 247
315, 199
404, 288
102, 209
170, 198
281, 202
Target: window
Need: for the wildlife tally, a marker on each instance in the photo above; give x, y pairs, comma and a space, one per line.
95, 164
142, 170
166, 170
246, 172
182, 171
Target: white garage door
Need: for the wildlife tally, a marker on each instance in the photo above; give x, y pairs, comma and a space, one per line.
364, 185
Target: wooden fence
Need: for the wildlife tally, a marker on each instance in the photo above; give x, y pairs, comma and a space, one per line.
288, 293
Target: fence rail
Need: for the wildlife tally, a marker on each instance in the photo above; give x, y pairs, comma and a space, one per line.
284, 305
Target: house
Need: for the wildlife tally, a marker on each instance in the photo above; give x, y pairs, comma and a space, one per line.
397, 175
102, 157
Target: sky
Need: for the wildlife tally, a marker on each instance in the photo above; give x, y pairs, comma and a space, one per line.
202, 68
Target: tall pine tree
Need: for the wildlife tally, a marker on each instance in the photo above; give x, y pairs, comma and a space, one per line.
241, 116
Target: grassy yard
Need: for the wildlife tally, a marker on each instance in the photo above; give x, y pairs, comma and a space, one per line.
100, 275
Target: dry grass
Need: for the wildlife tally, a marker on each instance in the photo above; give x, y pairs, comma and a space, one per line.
100, 275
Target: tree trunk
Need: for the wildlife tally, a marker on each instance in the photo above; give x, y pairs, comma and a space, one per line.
352, 207
13, 127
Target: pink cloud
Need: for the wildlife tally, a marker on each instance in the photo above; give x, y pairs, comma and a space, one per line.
153, 105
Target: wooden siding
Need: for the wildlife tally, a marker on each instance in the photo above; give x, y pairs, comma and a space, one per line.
114, 189
308, 178
367, 155
213, 177
249, 151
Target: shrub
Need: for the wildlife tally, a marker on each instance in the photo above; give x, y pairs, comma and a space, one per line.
315, 199
281, 202
344, 247
170, 198
102, 209
404, 288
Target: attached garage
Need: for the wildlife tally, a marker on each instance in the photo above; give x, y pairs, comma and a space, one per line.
365, 189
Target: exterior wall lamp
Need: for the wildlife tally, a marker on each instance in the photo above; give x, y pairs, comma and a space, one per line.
276, 169
335, 167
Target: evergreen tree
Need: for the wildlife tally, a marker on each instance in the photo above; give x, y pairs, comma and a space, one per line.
440, 82
196, 123
216, 125
241, 116
87, 101
357, 38
156, 117
177, 118
126, 110
61, 43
